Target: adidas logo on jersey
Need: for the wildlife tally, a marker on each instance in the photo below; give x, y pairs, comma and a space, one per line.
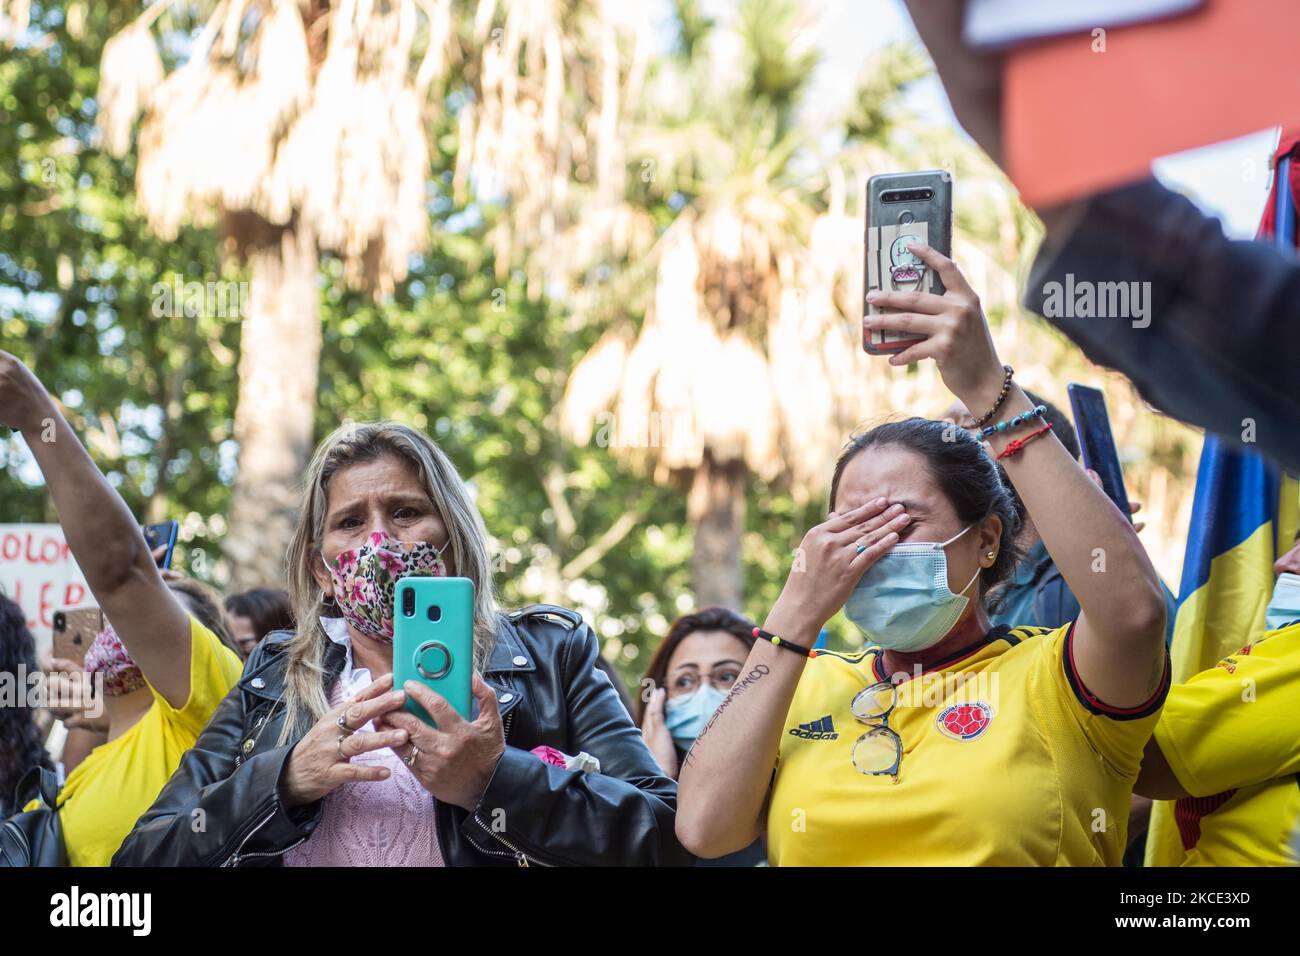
822, 729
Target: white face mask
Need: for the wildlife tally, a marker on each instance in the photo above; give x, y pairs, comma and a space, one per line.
685, 716
903, 602
1284, 606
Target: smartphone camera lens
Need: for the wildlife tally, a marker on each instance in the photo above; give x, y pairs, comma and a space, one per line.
60, 622
435, 613
907, 195
408, 603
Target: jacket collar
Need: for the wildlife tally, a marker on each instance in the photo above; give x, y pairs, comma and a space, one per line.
508, 653
264, 673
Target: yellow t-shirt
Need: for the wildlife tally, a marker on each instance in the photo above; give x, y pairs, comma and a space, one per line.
1007, 760
118, 781
1230, 737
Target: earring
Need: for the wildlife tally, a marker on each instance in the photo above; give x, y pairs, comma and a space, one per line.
989, 555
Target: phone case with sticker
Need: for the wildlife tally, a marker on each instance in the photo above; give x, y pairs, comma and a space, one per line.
903, 208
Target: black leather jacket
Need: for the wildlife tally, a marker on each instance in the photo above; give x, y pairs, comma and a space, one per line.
222, 806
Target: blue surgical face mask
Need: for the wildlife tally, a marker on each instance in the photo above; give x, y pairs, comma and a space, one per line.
903, 602
1284, 607
685, 716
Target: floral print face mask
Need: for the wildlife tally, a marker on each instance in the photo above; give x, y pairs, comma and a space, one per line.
365, 578
108, 657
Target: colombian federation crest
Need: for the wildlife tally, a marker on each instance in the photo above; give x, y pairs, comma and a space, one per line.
965, 721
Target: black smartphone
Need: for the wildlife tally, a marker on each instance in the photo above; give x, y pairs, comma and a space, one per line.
903, 208
1097, 443
160, 535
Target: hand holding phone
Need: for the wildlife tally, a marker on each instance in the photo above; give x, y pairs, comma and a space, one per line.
74, 630
903, 208
433, 640
162, 535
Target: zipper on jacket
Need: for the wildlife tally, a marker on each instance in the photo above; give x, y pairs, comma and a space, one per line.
262, 853
234, 858
256, 735
521, 858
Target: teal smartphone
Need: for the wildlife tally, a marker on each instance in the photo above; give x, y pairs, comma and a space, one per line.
433, 640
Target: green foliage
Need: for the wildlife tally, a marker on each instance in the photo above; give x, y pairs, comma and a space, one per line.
878, 105
78, 268
779, 55
454, 352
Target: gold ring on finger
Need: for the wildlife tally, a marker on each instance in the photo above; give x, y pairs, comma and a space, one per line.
409, 759
343, 725
339, 745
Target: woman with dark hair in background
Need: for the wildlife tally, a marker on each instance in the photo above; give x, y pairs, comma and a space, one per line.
21, 742
691, 672
255, 614
204, 604
688, 677
948, 741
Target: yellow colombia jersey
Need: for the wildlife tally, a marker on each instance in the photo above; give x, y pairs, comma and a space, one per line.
1007, 761
1229, 735
118, 781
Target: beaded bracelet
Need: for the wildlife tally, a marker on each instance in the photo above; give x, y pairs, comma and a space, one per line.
781, 642
1012, 423
1006, 387
1015, 445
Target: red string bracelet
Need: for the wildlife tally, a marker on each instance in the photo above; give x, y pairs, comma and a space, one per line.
1016, 444
763, 635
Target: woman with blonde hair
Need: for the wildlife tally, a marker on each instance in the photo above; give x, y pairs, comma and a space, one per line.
311, 760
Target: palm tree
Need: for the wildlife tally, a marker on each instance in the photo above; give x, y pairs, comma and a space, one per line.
298, 129
691, 392
542, 147
542, 131
749, 359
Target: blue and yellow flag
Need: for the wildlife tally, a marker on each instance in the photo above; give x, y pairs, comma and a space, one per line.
1243, 519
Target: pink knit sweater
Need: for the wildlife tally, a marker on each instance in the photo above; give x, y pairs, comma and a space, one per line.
373, 823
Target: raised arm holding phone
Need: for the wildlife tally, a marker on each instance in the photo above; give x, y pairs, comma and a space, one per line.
162, 670
103, 535
801, 745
